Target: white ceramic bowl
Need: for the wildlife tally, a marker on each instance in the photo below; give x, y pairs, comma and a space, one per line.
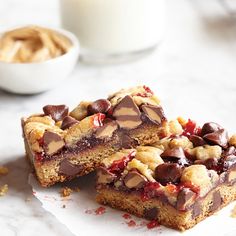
36, 77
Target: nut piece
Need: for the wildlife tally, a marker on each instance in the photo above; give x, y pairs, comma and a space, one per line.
67, 122
155, 113
57, 112
99, 106
127, 113
198, 176
52, 142
219, 137
134, 180
210, 127
106, 131
104, 176
81, 111
232, 140
205, 152
168, 173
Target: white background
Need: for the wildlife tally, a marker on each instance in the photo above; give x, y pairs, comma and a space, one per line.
193, 72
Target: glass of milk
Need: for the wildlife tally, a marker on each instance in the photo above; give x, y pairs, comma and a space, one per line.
114, 30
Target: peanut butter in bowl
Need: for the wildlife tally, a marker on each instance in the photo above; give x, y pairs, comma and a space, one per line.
32, 44
34, 59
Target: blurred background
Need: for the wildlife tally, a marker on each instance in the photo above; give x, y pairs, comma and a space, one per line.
191, 66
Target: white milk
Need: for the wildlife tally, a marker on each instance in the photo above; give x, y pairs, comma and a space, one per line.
115, 27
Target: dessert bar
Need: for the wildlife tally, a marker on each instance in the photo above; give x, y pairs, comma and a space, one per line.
178, 181
61, 144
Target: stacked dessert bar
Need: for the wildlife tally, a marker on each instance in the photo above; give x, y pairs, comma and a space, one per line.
174, 171
61, 144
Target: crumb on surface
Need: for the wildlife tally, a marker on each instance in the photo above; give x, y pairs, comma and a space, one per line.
28, 199
63, 206
77, 189
66, 192
3, 170
3, 189
233, 212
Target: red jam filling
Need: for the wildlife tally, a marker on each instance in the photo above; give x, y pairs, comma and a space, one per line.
98, 120
152, 224
118, 165
100, 210
191, 186
191, 128
149, 190
148, 92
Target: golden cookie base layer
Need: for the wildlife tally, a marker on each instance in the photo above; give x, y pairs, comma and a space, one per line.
47, 172
167, 215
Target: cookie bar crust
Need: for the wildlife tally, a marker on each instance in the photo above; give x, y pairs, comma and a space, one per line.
61, 145
179, 181
165, 213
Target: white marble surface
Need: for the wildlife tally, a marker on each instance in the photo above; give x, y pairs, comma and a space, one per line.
193, 71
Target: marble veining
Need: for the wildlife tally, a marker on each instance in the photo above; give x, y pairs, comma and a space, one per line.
193, 72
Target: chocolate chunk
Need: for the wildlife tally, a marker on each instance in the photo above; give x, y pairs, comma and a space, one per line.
57, 112
134, 180
219, 137
104, 176
197, 209
99, 106
127, 113
52, 142
210, 127
184, 199
230, 151
216, 201
175, 155
210, 163
68, 169
107, 130
155, 113
168, 173
151, 213
174, 152
67, 122
126, 141
197, 140
228, 162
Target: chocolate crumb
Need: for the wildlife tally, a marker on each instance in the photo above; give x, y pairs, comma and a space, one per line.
66, 192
